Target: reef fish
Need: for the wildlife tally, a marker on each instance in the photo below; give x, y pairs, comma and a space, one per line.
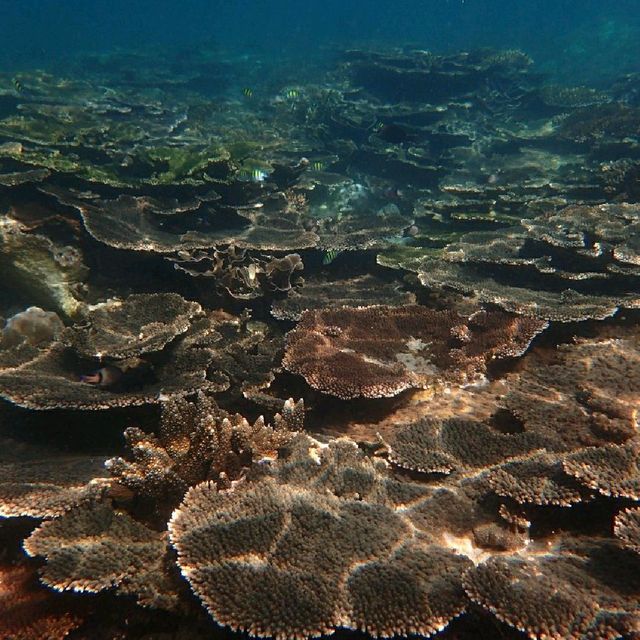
330, 256
104, 377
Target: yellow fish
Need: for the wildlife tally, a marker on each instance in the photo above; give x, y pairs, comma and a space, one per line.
292, 94
247, 92
317, 165
18, 85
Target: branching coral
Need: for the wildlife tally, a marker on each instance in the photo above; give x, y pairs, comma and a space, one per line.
198, 441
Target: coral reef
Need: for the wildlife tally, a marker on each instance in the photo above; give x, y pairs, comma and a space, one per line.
30, 612
582, 393
139, 324
198, 441
568, 590
156, 219
93, 548
627, 528
361, 291
380, 351
316, 544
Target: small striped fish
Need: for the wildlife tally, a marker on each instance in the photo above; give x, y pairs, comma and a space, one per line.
330, 256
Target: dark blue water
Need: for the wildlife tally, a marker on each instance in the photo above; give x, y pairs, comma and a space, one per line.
583, 40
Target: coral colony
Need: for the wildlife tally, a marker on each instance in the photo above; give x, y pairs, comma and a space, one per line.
372, 341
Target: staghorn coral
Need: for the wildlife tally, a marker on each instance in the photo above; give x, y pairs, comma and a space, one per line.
93, 547
30, 612
627, 528
566, 591
612, 470
381, 351
321, 539
198, 441
581, 394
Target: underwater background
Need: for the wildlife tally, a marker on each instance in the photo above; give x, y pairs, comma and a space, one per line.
586, 40
320, 319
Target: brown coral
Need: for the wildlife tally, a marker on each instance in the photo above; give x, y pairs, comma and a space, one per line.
573, 264
42, 487
612, 470
442, 446
627, 528
138, 324
324, 539
241, 274
30, 612
52, 376
574, 590
198, 441
581, 394
380, 351
93, 547
537, 478
351, 292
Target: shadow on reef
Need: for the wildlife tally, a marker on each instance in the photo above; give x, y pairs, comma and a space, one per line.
357, 355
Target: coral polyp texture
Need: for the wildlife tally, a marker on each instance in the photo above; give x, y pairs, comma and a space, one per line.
567, 591
627, 528
141, 323
322, 539
442, 446
31, 612
583, 393
375, 352
93, 548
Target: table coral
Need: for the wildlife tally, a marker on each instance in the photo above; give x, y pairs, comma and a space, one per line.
380, 351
